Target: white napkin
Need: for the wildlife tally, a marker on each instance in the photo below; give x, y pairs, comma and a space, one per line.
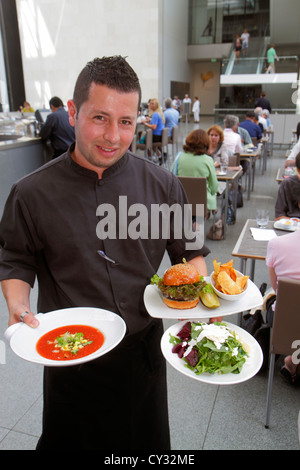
262, 234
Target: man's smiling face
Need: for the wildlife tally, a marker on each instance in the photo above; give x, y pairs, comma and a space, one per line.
104, 127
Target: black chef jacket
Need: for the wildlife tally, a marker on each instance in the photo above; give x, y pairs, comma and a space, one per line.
49, 230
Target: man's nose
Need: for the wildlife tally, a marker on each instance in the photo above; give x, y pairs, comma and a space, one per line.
112, 132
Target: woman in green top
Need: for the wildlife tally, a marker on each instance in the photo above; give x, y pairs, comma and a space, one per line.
194, 161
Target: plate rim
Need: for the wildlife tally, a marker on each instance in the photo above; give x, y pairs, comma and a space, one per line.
279, 226
212, 379
49, 362
202, 312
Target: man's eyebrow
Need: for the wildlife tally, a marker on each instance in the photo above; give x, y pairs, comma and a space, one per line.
104, 113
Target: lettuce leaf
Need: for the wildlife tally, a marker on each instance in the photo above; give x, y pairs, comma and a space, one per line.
183, 292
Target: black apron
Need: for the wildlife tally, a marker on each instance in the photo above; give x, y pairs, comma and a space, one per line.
116, 402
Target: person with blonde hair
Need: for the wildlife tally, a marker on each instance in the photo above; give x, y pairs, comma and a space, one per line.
157, 122
26, 108
217, 149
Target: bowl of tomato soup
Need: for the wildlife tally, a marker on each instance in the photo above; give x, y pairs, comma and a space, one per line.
70, 342
67, 337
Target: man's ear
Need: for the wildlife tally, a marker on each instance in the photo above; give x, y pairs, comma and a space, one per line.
72, 112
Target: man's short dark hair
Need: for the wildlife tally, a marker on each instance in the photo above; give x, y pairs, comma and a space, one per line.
113, 72
56, 102
250, 114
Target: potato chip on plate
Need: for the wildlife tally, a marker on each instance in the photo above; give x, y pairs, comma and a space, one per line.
227, 282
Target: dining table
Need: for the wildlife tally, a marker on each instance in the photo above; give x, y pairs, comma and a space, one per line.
251, 155
249, 248
230, 177
270, 142
283, 173
264, 153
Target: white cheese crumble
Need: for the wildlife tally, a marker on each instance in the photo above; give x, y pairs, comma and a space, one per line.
218, 334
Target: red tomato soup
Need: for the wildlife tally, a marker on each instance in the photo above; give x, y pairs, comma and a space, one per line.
70, 342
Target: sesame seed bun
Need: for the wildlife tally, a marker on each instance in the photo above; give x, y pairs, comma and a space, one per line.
181, 274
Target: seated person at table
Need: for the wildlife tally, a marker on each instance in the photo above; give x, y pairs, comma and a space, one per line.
288, 197
251, 125
232, 139
245, 136
26, 108
217, 149
195, 162
157, 122
261, 119
171, 116
266, 114
291, 159
57, 128
283, 260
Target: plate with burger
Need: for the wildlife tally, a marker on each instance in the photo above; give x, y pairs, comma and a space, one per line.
183, 293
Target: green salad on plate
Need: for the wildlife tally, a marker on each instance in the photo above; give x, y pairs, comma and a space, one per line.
210, 348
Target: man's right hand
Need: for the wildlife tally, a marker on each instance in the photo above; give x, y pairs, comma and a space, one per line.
29, 319
17, 295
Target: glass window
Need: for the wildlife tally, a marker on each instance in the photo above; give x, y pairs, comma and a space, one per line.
217, 21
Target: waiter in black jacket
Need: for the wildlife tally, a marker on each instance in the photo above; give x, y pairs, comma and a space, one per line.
54, 225
57, 128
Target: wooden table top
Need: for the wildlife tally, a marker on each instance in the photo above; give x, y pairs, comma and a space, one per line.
247, 247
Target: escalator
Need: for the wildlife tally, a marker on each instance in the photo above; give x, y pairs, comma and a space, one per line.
250, 69
252, 63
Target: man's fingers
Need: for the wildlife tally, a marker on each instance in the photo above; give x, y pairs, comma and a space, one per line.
29, 319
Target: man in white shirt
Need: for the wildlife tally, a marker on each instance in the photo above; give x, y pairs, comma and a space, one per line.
291, 159
232, 139
245, 42
187, 105
196, 109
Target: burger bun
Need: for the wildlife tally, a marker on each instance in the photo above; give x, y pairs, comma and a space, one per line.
180, 274
180, 304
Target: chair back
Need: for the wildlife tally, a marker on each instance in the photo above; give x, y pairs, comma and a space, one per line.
149, 139
174, 141
133, 144
234, 160
254, 141
165, 137
286, 323
174, 136
196, 191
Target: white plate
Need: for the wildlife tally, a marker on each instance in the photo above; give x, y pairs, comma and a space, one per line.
284, 225
230, 298
158, 309
251, 367
23, 339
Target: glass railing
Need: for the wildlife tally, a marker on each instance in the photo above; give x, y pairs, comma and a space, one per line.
256, 65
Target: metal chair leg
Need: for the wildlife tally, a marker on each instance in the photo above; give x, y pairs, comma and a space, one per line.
269, 391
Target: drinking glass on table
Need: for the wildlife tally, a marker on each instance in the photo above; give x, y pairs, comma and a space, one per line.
223, 169
262, 218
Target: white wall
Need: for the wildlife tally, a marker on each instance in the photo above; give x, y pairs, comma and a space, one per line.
175, 38
206, 85
284, 21
58, 37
